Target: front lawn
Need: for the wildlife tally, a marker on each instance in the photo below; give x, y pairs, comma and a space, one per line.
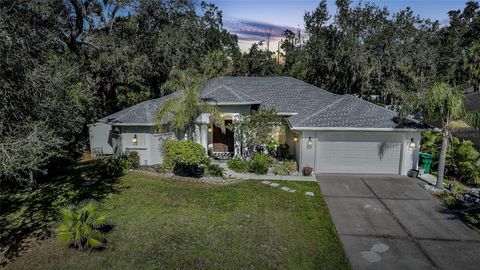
168, 224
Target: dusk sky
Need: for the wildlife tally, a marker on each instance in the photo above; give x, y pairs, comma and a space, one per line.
251, 20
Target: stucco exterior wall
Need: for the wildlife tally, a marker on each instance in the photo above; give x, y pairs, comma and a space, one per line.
408, 157
100, 138
144, 142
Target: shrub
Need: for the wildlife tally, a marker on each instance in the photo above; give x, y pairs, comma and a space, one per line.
462, 157
214, 170
184, 157
118, 166
259, 163
462, 162
292, 166
281, 168
134, 159
81, 225
238, 165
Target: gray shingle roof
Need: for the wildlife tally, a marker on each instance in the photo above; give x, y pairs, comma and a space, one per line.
142, 113
224, 94
348, 111
286, 94
472, 102
309, 105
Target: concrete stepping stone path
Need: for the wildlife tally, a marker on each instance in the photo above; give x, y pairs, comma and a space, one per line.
309, 193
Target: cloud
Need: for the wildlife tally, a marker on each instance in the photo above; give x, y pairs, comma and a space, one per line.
252, 31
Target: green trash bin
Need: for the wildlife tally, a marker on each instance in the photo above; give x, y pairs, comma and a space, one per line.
426, 161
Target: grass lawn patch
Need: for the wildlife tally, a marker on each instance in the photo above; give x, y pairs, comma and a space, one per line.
167, 224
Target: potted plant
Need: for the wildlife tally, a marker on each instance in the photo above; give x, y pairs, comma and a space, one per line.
307, 170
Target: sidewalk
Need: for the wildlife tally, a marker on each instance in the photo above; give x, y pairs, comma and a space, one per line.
252, 176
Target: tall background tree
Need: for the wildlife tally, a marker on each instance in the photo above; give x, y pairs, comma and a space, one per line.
65, 63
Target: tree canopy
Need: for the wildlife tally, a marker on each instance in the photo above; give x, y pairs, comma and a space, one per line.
66, 63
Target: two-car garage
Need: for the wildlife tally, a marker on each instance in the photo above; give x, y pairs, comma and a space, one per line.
380, 152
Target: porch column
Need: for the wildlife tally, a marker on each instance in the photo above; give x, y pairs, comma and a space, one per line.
201, 130
204, 136
237, 138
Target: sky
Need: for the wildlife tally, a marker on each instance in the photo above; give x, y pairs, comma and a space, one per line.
251, 19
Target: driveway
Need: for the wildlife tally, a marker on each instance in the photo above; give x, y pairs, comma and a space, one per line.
392, 222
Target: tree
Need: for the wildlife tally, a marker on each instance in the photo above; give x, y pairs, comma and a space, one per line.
258, 61
255, 129
181, 111
440, 105
472, 66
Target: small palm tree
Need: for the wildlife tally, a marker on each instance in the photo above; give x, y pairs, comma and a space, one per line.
187, 106
441, 105
80, 225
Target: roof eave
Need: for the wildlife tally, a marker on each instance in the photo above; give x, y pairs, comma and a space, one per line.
235, 103
133, 124
362, 129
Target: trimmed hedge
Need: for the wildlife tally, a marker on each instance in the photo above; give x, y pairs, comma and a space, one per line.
184, 157
238, 165
260, 163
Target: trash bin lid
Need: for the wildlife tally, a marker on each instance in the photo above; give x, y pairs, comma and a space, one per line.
425, 155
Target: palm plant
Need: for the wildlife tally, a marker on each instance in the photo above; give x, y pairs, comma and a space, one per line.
440, 105
188, 105
81, 225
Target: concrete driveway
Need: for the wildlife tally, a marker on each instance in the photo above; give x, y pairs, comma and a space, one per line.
391, 222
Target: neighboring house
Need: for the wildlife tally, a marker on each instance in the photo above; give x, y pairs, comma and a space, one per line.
331, 133
471, 100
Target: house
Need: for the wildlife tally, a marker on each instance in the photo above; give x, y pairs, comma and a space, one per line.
471, 100
331, 133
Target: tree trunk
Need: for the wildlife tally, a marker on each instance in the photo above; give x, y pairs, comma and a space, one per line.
33, 181
441, 162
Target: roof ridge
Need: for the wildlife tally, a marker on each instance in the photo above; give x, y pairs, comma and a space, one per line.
371, 103
241, 93
322, 109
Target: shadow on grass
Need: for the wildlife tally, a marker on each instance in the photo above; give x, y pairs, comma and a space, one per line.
29, 215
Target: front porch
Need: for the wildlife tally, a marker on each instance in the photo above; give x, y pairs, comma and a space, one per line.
226, 145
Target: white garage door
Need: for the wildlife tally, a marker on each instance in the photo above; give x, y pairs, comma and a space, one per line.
358, 152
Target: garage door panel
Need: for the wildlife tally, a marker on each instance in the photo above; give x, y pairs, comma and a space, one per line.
358, 154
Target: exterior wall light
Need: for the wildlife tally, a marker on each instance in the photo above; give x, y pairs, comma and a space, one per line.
134, 140
412, 144
222, 115
309, 143
295, 139
209, 129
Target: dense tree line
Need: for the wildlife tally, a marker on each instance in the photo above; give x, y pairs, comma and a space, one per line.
65, 63
364, 49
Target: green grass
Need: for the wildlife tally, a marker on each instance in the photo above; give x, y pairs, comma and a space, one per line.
167, 224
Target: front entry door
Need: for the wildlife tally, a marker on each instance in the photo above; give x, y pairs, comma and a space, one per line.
223, 142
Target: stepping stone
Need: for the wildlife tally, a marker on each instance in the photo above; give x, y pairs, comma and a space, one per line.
292, 190
266, 182
274, 184
309, 193
285, 188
